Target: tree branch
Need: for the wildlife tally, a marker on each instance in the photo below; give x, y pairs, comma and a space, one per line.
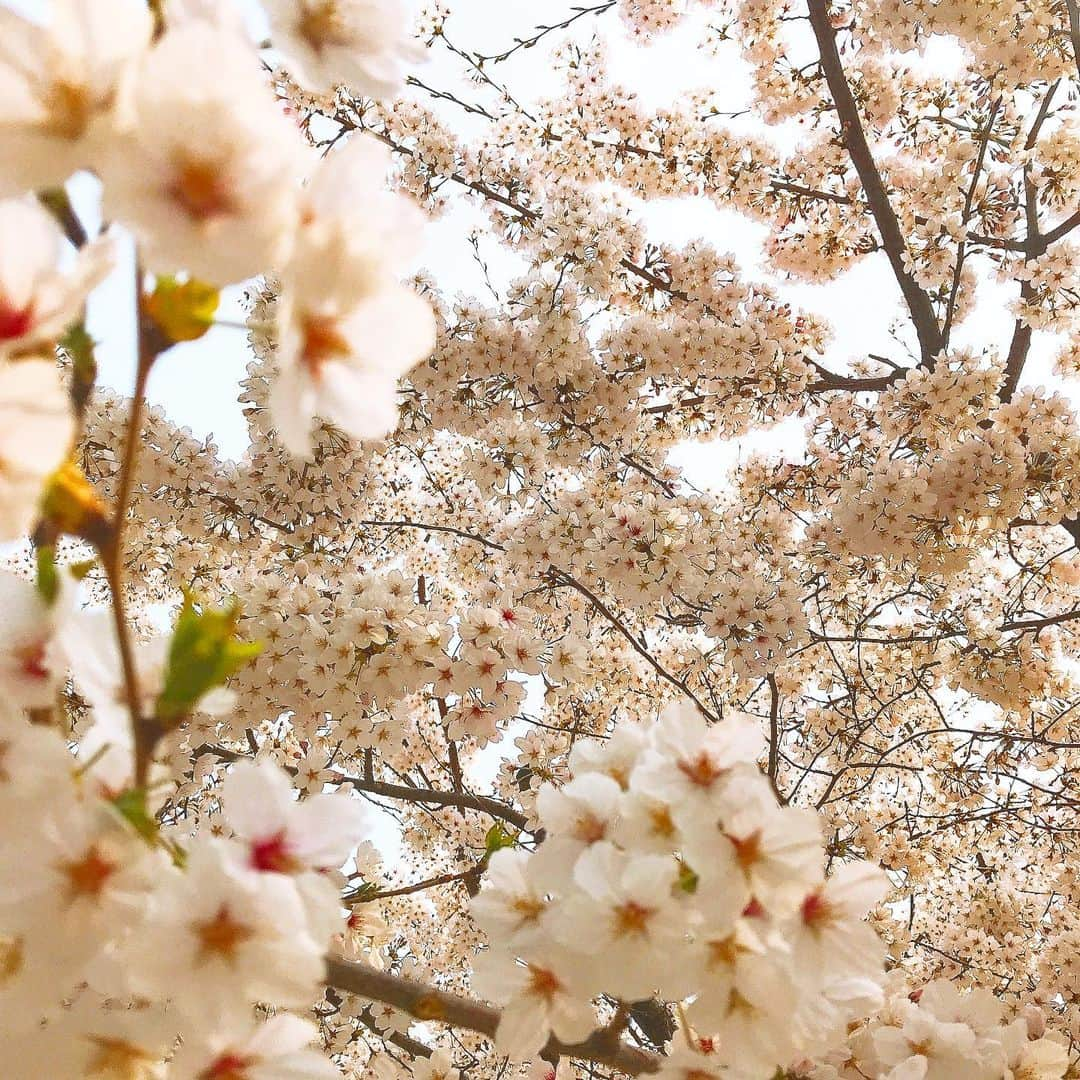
425, 1003
562, 578
851, 130
432, 796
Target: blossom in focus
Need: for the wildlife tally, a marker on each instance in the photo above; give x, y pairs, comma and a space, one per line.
60, 84
693, 759
512, 900
221, 935
831, 935
207, 168
362, 44
36, 429
542, 997
626, 918
282, 834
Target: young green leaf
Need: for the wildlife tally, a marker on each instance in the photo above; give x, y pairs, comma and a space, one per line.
203, 653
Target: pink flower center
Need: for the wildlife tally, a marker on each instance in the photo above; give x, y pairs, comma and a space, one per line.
273, 855
816, 910
322, 342
14, 322
227, 1067
32, 660
701, 771
753, 910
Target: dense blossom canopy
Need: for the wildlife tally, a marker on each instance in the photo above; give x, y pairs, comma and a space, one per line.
456, 730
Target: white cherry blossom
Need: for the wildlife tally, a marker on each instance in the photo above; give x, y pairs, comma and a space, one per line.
60, 84
39, 299
36, 429
207, 169
541, 997
277, 1049
361, 43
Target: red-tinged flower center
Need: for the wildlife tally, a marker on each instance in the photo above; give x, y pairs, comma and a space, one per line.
273, 855
753, 910
816, 910
15, 322
543, 982
227, 1067
32, 660
322, 342
747, 849
589, 829
724, 952
632, 918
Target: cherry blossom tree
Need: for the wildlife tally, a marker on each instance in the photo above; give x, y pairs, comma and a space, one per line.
460, 729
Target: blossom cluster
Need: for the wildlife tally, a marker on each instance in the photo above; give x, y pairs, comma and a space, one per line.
121, 942
669, 869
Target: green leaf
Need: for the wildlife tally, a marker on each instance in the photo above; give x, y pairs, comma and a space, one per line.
79, 570
688, 879
131, 805
203, 653
497, 838
182, 310
48, 578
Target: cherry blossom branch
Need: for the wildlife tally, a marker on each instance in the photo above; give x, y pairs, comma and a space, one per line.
411, 1046
56, 201
562, 578
427, 527
969, 201
774, 737
461, 799
360, 896
851, 131
543, 31
604, 1047
1020, 345
829, 380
